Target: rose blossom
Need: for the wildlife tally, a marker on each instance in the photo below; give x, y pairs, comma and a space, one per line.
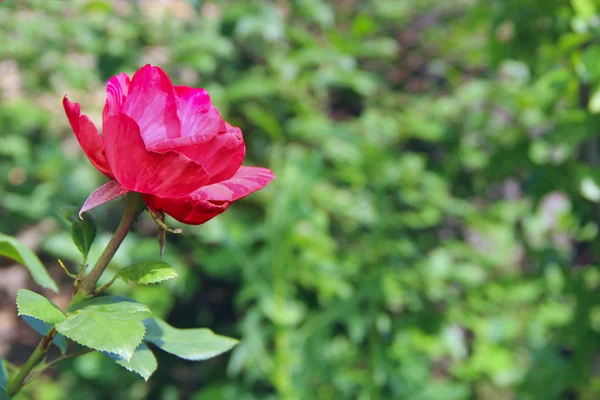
168, 143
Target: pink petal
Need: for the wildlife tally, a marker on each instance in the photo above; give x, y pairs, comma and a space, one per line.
199, 118
103, 194
88, 136
152, 104
117, 89
221, 156
165, 175
191, 212
245, 181
212, 200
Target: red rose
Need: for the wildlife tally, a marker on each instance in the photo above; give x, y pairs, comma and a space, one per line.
168, 143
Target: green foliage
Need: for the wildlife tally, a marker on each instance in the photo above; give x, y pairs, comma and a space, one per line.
142, 361
3, 395
147, 272
12, 248
37, 306
83, 229
112, 324
432, 232
189, 344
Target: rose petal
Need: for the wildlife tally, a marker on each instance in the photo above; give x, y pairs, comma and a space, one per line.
210, 201
117, 89
191, 212
167, 175
152, 104
220, 156
245, 181
103, 194
88, 136
199, 118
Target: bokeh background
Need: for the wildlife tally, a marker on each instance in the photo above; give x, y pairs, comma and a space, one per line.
432, 233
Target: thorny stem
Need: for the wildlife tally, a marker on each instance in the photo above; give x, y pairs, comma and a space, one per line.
85, 288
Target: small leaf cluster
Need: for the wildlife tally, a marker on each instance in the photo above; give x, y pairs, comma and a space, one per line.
115, 326
121, 328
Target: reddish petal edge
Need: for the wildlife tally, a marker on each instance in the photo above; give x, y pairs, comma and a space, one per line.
105, 193
87, 135
245, 181
211, 200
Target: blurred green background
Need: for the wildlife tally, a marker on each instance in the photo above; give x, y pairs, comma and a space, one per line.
432, 231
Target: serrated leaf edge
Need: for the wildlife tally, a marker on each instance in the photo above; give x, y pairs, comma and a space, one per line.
19, 312
135, 372
105, 350
126, 280
151, 282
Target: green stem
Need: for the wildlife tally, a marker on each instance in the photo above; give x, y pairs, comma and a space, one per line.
16, 383
52, 363
132, 206
106, 286
86, 287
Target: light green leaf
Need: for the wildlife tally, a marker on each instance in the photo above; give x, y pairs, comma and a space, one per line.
42, 328
142, 362
584, 8
37, 306
189, 344
590, 189
148, 272
83, 231
3, 374
12, 248
111, 324
594, 103
4, 395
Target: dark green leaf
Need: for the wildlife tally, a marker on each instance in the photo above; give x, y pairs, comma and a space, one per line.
37, 306
142, 362
4, 395
12, 248
190, 344
3, 374
111, 324
83, 230
148, 272
42, 328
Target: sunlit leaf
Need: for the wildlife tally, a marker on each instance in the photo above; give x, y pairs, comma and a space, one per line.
12, 248
148, 272
190, 344
112, 324
37, 306
143, 362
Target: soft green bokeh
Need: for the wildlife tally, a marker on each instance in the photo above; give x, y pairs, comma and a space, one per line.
432, 230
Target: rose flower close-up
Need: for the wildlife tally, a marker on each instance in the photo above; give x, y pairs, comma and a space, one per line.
168, 143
